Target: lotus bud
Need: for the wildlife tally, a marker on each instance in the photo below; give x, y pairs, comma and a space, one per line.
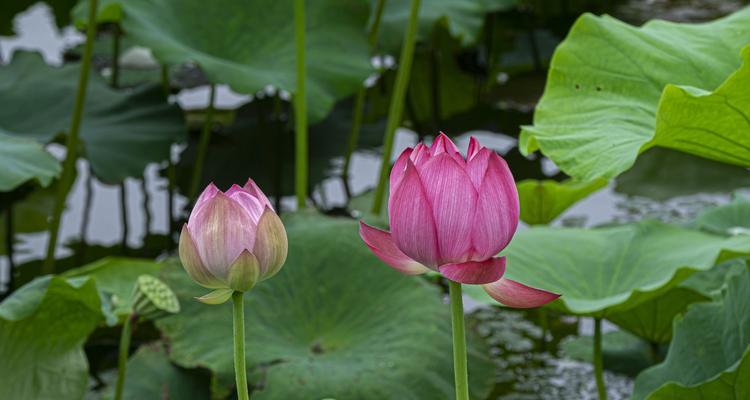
453, 215
232, 241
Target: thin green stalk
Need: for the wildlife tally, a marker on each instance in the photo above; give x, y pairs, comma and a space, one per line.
115, 81
69, 165
459, 342
359, 100
397, 102
122, 359
240, 371
9, 233
171, 174
599, 360
203, 144
146, 208
300, 107
124, 216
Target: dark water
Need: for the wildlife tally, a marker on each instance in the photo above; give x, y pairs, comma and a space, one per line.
528, 357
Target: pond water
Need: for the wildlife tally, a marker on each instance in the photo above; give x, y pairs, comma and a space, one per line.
529, 367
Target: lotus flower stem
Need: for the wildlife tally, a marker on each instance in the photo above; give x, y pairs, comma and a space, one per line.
300, 107
122, 359
203, 144
240, 371
359, 101
170, 165
397, 102
71, 144
598, 359
459, 342
88, 198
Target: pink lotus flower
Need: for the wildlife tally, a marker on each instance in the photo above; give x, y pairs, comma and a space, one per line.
232, 240
453, 215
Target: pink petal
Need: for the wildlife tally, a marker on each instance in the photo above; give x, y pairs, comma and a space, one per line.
399, 167
517, 295
420, 155
382, 245
249, 203
474, 147
443, 144
475, 272
476, 167
497, 210
208, 193
221, 230
255, 191
412, 225
453, 201
193, 264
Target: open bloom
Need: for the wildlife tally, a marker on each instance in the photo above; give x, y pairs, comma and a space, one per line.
232, 240
453, 215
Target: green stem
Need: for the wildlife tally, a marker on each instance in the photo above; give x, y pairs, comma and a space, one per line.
69, 165
9, 233
165, 84
459, 342
397, 102
240, 371
300, 107
203, 144
171, 174
115, 81
122, 359
124, 216
359, 100
599, 360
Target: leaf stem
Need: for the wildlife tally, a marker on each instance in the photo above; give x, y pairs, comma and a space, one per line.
69, 165
359, 101
124, 216
397, 102
459, 342
9, 250
205, 139
240, 371
598, 359
122, 359
300, 107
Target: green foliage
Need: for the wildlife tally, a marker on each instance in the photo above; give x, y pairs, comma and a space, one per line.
334, 323
251, 45
612, 93
463, 18
543, 201
661, 174
608, 270
115, 278
709, 352
42, 331
730, 219
22, 160
122, 131
622, 351
150, 375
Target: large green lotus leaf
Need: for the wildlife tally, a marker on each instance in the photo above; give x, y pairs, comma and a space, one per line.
708, 357
115, 279
22, 160
543, 201
249, 45
729, 219
661, 174
605, 84
122, 131
613, 269
464, 19
652, 320
42, 330
150, 375
334, 323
